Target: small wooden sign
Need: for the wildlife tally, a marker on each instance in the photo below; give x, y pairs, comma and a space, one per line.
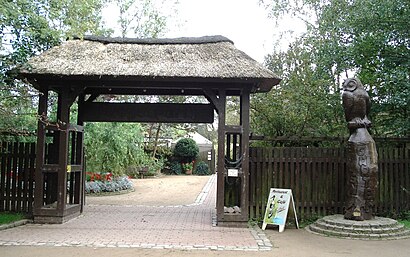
277, 208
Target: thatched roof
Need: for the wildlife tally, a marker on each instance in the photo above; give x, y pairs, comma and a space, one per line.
205, 57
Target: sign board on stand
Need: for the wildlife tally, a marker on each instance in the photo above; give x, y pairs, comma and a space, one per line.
277, 208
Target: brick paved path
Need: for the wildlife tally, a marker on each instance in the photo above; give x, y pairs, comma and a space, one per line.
165, 227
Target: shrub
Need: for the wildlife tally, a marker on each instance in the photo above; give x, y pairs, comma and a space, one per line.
202, 169
176, 167
186, 150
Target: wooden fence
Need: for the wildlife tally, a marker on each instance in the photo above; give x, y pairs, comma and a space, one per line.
17, 176
317, 177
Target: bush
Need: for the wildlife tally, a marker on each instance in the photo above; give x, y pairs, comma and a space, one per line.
186, 150
114, 185
202, 169
176, 167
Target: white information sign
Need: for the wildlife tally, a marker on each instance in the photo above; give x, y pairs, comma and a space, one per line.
233, 172
277, 208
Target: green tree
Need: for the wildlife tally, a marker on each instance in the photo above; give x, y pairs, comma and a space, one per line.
186, 150
140, 18
303, 104
113, 147
367, 38
28, 28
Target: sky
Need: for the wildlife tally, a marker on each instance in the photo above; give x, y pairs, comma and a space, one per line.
244, 22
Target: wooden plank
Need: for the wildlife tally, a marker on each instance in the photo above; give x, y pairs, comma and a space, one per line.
385, 191
391, 180
326, 192
20, 176
25, 181
3, 174
292, 169
269, 168
396, 182
338, 181
304, 181
308, 184
402, 179
8, 176
153, 112
32, 179
318, 181
251, 184
383, 182
259, 204
264, 180
315, 189
407, 172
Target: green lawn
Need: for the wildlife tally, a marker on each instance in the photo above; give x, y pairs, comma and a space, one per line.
6, 217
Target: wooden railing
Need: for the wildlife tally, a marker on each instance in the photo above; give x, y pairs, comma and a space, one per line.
317, 177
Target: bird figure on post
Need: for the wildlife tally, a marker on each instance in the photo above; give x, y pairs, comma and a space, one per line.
356, 104
361, 153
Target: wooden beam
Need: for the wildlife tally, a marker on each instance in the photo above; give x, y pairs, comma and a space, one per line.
41, 144
220, 192
131, 112
213, 99
245, 106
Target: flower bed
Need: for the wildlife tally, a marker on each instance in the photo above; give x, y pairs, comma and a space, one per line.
100, 183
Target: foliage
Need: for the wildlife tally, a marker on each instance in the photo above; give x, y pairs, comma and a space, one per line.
186, 150
162, 152
113, 147
114, 185
8, 217
202, 169
187, 166
406, 223
141, 17
176, 167
28, 28
367, 38
303, 105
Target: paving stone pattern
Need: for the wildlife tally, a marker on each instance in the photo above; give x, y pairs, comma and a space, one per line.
165, 227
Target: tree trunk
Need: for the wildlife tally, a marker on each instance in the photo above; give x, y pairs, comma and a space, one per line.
156, 140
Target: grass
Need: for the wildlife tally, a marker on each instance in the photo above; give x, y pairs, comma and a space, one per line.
6, 217
406, 223
404, 218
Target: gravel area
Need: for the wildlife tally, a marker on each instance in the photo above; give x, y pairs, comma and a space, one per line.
164, 190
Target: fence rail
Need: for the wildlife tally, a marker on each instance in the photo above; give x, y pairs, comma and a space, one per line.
17, 176
317, 177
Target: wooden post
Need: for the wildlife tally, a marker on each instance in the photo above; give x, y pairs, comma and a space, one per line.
221, 155
64, 118
41, 143
80, 179
245, 105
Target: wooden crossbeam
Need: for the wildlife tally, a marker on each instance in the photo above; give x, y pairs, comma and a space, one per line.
147, 112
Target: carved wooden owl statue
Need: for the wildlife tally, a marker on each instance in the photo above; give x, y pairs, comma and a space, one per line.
356, 104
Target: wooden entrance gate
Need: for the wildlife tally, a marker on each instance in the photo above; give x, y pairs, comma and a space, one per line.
87, 72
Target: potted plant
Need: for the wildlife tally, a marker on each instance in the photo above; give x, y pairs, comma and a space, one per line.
188, 167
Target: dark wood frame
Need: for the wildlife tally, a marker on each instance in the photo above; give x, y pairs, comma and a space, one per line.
87, 89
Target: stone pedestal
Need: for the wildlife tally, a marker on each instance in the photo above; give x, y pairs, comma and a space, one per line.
362, 172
